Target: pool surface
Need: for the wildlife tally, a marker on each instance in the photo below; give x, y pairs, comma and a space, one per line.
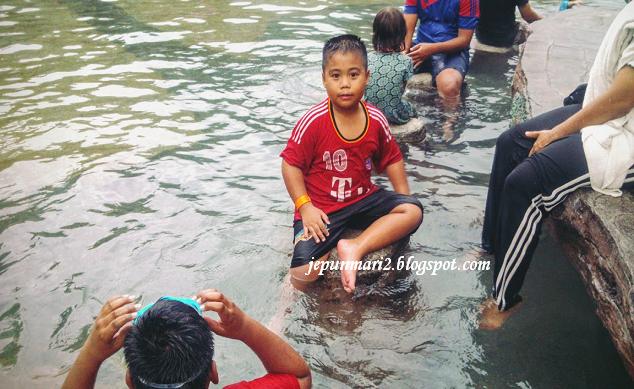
139, 155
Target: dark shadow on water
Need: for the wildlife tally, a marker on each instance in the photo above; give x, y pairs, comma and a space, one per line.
555, 328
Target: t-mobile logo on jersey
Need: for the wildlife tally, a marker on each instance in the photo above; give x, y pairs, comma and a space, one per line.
339, 183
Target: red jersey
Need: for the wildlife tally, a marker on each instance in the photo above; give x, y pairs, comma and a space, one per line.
337, 171
269, 381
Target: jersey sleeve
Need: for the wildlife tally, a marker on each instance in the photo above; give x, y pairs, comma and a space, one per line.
299, 148
469, 14
410, 7
388, 151
277, 381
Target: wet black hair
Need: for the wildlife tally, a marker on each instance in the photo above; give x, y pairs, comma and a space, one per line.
170, 343
343, 44
389, 30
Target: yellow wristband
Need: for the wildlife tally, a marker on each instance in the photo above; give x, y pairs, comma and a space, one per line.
301, 200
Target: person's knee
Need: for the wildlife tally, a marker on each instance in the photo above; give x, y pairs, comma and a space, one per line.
505, 140
305, 273
449, 84
413, 211
521, 180
308, 268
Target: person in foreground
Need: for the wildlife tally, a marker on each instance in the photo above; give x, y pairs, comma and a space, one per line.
327, 167
169, 344
539, 162
445, 29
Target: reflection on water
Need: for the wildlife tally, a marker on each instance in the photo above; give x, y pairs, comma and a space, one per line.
139, 154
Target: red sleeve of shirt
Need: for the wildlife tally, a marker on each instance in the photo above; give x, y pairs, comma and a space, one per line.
388, 151
269, 381
470, 8
411, 3
300, 146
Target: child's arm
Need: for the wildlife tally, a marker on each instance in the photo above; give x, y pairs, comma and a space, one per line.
277, 356
396, 173
313, 218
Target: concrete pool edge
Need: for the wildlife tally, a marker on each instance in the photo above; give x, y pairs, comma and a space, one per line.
595, 231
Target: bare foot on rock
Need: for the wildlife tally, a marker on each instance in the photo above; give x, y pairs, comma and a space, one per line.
348, 255
491, 318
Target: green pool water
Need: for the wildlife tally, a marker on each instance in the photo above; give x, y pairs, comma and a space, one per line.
139, 146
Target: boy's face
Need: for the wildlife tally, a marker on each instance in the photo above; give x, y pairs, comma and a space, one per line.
345, 78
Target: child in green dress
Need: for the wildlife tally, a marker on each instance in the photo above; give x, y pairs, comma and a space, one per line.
389, 67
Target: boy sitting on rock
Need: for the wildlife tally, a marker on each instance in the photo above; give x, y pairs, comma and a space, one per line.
327, 166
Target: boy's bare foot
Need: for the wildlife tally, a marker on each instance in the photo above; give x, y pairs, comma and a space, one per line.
348, 252
491, 318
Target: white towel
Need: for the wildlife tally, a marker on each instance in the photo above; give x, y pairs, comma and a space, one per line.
609, 147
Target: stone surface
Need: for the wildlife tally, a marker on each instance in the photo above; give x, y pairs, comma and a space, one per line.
419, 81
559, 53
368, 281
412, 131
596, 231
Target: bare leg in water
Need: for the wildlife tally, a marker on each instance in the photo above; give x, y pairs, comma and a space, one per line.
449, 85
297, 280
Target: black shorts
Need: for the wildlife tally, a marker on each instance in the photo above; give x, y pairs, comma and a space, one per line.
356, 216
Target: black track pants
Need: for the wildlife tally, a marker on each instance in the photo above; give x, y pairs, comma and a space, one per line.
522, 190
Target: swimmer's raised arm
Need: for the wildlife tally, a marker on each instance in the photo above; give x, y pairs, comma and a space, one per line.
106, 337
277, 356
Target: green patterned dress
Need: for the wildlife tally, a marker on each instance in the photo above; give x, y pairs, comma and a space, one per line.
388, 74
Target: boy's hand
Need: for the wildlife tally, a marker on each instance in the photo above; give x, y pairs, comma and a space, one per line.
110, 328
314, 221
232, 320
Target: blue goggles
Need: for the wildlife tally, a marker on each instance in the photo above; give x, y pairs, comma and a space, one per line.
190, 303
187, 301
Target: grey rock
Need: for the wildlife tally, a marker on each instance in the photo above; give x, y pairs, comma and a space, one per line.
559, 53
419, 81
412, 131
596, 231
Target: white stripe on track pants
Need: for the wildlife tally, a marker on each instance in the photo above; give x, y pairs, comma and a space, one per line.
522, 190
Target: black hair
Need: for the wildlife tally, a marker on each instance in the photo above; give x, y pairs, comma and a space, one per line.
389, 30
170, 343
343, 44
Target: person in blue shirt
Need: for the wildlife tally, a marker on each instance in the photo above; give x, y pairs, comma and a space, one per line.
441, 46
